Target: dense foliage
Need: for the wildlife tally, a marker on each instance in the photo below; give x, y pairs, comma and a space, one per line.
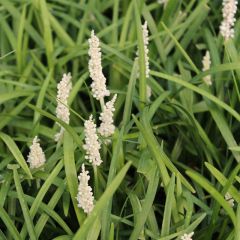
172, 165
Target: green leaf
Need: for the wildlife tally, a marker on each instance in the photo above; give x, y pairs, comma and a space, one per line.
15, 152
142, 215
168, 207
25, 210
199, 179
71, 174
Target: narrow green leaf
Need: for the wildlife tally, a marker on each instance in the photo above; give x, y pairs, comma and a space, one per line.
199, 91
141, 216
168, 207
8, 96
9, 224
223, 181
71, 174
25, 210
199, 179
41, 194
47, 32
13, 148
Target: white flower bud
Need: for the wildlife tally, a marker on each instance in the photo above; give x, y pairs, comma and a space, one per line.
187, 236
36, 156
107, 127
229, 199
227, 26
98, 85
85, 196
62, 111
92, 145
206, 62
145, 42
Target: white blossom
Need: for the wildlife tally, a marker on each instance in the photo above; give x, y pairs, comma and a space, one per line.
107, 127
98, 85
149, 92
187, 236
92, 145
229, 199
36, 156
206, 62
145, 42
85, 196
162, 1
62, 111
228, 11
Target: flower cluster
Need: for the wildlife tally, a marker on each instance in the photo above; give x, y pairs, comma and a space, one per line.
92, 145
85, 196
98, 85
206, 62
36, 156
187, 236
227, 26
62, 111
107, 127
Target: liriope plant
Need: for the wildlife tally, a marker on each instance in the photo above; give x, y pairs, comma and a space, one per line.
99, 144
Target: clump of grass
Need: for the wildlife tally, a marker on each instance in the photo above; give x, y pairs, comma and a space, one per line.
170, 166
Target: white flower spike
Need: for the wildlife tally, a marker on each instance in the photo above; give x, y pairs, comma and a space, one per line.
187, 236
145, 42
107, 127
98, 85
206, 62
92, 145
85, 196
62, 111
227, 26
36, 156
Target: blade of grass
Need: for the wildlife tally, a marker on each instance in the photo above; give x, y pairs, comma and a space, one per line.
41, 193
168, 207
112, 172
16, 153
141, 217
9, 224
199, 91
23, 204
47, 35
213, 192
71, 174
141, 57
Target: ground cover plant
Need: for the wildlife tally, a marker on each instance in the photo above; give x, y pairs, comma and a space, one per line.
119, 119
